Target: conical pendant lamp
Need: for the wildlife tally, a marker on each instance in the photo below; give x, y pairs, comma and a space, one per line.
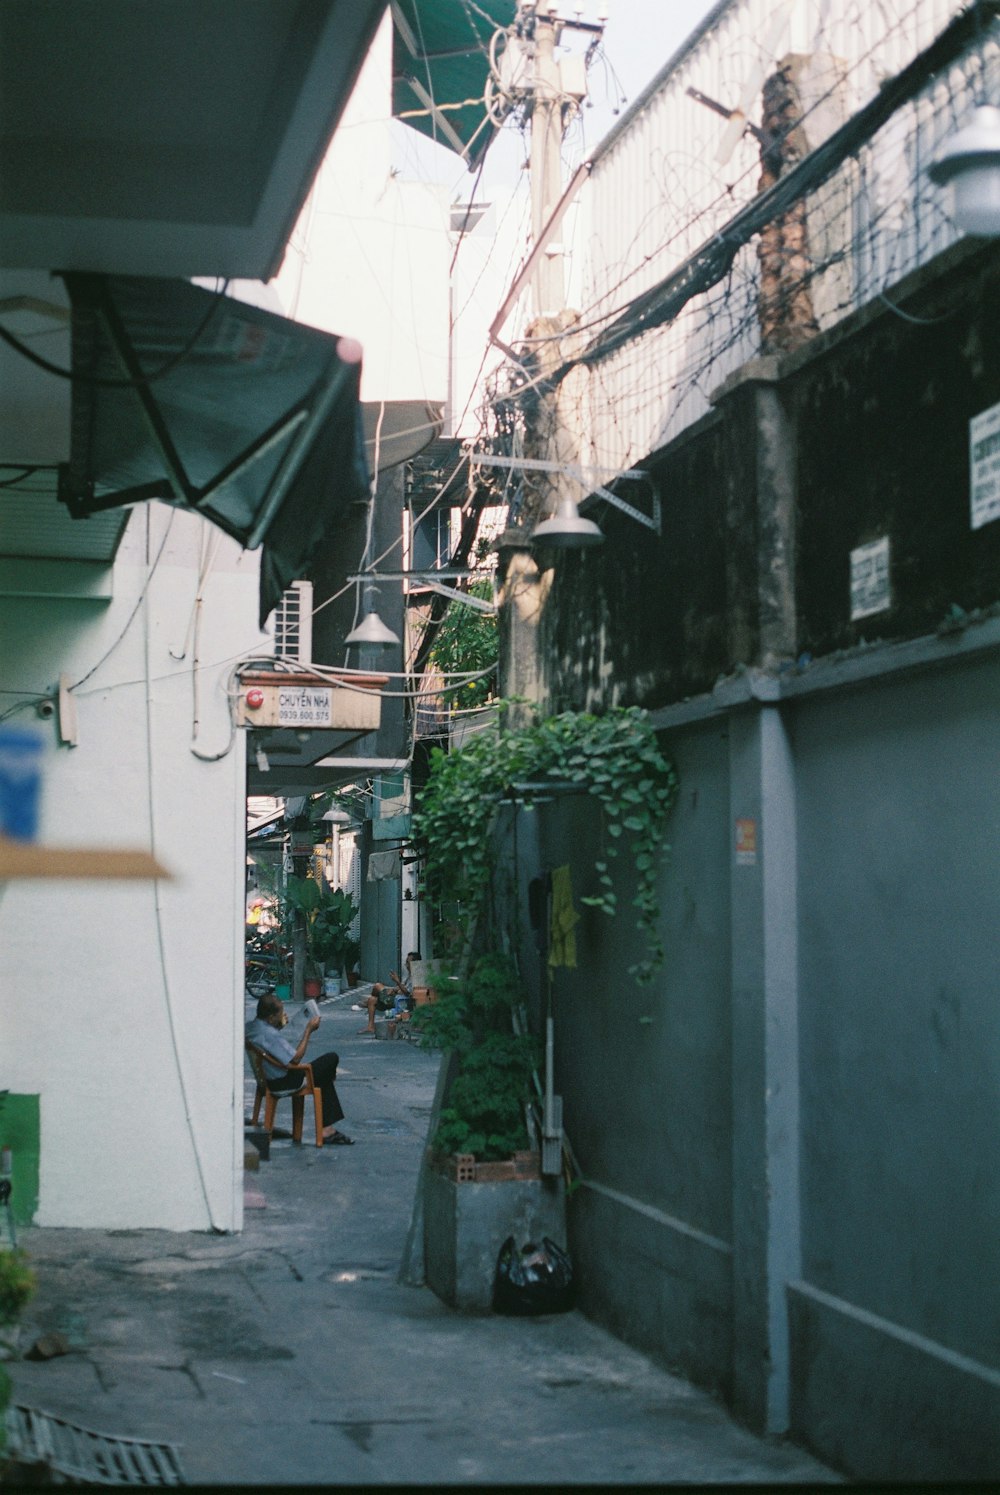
567, 529
371, 629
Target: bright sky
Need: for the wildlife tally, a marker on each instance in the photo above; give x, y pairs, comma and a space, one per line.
639, 37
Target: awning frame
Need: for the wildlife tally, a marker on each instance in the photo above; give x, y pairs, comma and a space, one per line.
309, 412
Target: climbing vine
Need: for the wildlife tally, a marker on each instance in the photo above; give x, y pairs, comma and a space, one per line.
614, 757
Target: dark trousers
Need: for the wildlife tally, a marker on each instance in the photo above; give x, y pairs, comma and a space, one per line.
324, 1068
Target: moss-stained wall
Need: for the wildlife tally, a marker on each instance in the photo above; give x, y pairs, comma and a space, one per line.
643, 619
864, 433
883, 449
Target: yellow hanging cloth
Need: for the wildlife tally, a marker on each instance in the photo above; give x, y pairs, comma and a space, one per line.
562, 939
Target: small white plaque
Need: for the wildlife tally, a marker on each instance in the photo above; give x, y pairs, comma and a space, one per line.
870, 592
309, 707
984, 467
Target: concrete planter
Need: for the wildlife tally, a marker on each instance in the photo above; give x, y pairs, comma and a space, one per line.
467, 1219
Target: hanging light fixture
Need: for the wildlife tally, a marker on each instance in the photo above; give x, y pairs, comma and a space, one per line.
567, 529
970, 164
371, 629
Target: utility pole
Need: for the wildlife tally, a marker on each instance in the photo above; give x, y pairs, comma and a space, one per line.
554, 88
546, 159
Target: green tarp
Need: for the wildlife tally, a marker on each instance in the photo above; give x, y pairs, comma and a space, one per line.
440, 64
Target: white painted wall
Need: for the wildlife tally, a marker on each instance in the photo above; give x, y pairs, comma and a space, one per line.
123, 1002
369, 255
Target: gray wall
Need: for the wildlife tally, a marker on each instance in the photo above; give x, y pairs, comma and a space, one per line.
898, 828
788, 1144
645, 1075
381, 915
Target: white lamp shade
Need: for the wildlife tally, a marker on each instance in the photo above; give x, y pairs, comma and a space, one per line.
977, 199
567, 529
970, 164
371, 630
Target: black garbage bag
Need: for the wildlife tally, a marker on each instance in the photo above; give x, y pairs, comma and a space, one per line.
536, 1279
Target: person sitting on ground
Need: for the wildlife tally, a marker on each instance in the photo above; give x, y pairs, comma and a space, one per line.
265, 1033
394, 1000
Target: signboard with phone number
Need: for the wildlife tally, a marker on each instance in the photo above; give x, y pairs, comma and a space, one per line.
298, 707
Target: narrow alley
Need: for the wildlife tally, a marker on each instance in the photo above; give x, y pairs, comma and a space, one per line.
291, 1354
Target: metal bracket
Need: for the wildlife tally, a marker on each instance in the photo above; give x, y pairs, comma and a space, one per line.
652, 522
454, 595
589, 478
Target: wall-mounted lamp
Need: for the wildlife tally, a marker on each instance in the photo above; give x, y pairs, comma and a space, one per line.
567, 529
970, 164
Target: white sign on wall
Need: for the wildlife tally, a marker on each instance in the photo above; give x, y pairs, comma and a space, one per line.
870, 591
304, 708
984, 467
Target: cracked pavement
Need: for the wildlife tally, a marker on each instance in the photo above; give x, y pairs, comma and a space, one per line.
291, 1354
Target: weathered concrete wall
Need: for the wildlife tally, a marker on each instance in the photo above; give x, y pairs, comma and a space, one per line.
645, 1076
883, 450
898, 825
863, 433
644, 617
789, 1144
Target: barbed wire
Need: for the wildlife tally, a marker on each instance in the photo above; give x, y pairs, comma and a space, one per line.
870, 222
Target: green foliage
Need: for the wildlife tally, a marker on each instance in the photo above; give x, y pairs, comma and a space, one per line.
328, 914
17, 1284
467, 640
614, 757
352, 954
472, 1019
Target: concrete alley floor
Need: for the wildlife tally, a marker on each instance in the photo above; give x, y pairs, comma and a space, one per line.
292, 1354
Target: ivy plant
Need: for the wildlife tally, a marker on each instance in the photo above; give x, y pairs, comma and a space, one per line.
614, 757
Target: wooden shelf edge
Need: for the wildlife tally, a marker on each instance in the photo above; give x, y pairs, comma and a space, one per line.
24, 859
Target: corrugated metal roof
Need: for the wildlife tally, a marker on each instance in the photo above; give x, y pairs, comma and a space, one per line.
34, 524
76, 1454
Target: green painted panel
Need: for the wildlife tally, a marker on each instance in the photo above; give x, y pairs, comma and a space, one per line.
20, 1130
391, 827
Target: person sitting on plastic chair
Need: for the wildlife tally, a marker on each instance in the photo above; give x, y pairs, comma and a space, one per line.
265, 1032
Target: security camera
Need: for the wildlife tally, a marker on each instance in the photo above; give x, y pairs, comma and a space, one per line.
46, 710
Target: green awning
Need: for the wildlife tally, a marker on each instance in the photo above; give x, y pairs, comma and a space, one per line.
440, 64
202, 401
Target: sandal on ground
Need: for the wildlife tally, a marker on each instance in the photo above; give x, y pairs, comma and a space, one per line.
339, 1140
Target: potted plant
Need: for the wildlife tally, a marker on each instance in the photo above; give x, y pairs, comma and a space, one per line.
269, 940
328, 914
492, 1064
484, 1179
352, 955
